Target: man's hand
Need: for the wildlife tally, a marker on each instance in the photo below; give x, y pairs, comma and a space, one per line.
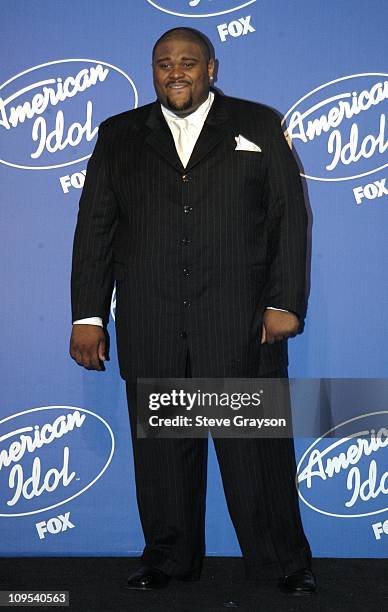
278, 325
88, 346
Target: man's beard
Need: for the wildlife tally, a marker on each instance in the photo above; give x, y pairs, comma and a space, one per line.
180, 107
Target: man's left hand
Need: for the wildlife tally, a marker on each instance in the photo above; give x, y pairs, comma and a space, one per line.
278, 325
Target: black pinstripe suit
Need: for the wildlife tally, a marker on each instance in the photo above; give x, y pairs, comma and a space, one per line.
197, 255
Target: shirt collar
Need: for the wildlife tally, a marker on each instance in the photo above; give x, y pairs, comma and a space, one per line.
197, 117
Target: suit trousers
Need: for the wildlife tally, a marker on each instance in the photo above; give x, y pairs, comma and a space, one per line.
258, 477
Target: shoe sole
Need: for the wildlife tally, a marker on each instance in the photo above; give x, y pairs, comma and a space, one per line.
133, 588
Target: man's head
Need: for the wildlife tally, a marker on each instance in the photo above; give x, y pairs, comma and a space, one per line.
183, 68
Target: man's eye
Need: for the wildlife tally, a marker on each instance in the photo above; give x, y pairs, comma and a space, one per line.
164, 66
188, 65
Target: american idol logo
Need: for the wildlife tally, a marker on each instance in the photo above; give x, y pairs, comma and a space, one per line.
49, 114
49, 456
339, 129
198, 8
347, 476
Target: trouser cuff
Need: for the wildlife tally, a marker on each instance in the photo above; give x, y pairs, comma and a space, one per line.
300, 560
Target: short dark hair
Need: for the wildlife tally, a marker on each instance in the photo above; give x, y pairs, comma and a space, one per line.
189, 34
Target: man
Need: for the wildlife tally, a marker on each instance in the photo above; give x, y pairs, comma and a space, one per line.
193, 205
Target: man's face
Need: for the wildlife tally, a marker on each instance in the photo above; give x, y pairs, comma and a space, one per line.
181, 75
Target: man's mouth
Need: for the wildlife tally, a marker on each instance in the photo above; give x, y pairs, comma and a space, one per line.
177, 86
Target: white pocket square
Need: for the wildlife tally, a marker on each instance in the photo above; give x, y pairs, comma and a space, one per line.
243, 144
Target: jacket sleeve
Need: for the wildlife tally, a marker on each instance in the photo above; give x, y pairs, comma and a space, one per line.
286, 225
92, 275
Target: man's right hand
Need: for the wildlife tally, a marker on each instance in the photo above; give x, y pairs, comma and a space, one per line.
88, 346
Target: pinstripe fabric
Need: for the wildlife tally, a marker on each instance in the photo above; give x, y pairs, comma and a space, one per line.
258, 480
225, 236
197, 254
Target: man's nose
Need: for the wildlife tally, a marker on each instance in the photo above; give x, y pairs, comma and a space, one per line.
176, 72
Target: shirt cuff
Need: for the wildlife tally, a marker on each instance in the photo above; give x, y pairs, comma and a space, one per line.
89, 321
273, 308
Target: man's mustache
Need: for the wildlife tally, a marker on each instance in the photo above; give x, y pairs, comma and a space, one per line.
178, 83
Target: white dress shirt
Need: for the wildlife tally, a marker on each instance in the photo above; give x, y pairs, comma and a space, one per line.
185, 131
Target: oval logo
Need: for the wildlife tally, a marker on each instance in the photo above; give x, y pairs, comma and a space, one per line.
198, 8
49, 456
345, 477
339, 129
49, 114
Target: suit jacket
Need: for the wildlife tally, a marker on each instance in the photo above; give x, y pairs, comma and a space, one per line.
197, 253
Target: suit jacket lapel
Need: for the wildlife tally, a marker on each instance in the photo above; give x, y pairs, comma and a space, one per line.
160, 137
212, 133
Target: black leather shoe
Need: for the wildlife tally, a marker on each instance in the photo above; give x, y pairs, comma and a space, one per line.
300, 582
148, 578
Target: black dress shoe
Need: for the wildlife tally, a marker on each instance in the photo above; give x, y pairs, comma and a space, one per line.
299, 583
148, 578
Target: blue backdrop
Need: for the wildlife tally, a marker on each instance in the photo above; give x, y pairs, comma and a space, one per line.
66, 474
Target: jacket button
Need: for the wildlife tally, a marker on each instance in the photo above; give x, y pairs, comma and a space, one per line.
183, 334
186, 272
185, 240
186, 304
185, 178
187, 209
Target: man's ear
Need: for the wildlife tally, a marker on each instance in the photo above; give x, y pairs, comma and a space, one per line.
211, 68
